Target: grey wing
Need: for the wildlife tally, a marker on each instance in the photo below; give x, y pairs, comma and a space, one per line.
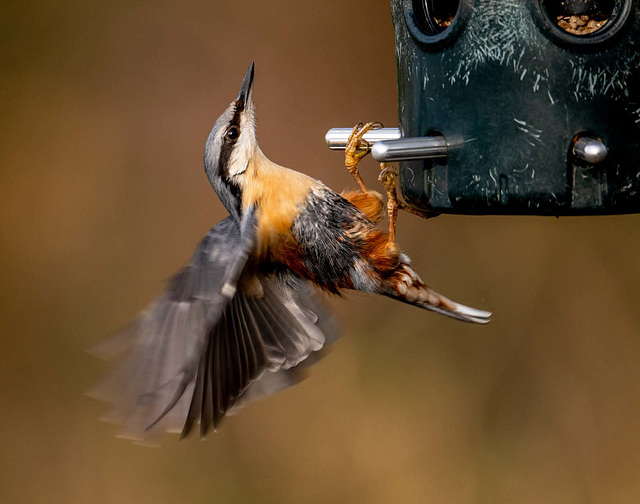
195, 353
151, 389
302, 299
257, 348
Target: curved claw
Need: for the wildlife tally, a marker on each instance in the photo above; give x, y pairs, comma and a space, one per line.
357, 148
387, 176
356, 141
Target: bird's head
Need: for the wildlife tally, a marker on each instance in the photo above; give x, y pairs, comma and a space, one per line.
231, 146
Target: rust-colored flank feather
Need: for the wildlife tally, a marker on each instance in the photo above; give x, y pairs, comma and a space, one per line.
369, 203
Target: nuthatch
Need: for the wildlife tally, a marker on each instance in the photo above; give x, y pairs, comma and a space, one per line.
237, 320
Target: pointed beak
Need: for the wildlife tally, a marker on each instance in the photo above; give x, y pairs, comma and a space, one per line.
244, 96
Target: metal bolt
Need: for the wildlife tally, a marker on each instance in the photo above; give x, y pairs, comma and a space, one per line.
589, 149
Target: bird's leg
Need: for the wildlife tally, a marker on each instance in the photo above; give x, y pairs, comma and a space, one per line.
387, 178
357, 148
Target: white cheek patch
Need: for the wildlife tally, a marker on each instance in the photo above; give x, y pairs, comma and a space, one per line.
238, 164
242, 151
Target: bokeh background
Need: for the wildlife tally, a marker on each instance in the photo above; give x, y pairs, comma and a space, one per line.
105, 110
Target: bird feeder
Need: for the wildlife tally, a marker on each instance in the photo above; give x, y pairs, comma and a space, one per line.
518, 107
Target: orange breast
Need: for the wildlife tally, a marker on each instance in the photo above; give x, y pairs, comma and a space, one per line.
279, 194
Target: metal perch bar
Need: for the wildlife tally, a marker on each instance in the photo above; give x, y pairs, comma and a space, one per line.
387, 145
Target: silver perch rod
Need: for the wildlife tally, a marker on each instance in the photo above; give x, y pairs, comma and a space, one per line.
387, 145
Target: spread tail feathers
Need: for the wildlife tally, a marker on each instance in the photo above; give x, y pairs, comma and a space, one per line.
405, 285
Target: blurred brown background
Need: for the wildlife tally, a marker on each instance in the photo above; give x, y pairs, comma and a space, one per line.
105, 110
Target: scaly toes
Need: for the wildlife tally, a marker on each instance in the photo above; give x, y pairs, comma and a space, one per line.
357, 147
387, 176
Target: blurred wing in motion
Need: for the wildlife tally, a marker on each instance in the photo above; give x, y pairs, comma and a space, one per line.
165, 342
254, 350
195, 352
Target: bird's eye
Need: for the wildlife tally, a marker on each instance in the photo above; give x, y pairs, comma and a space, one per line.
233, 133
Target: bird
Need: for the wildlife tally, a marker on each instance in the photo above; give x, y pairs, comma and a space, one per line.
246, 316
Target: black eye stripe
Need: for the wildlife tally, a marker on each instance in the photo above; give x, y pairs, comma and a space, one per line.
228, 144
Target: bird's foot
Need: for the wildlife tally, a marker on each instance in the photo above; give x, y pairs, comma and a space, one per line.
357, 148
